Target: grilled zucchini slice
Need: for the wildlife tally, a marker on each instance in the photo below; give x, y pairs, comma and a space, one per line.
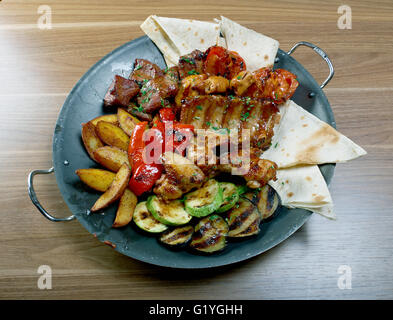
145, 220
243, 219
230, 196
266, 201
178, 237
205, 200
210, 234
171, 213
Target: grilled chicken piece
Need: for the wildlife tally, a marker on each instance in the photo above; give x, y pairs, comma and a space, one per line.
241, 82
203, 151
181, 175
232, 114
260, 173
200, 85
188, 87
191, 64
256, 171
145, 70
213, 84
120, 92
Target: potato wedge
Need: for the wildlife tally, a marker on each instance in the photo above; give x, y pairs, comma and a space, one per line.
116, 189
126, 209
90, 139
126, 121
96, 179
111, 157
112, 135
112, 118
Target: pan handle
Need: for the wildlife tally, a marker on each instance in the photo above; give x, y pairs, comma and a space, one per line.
33, 196
321, 53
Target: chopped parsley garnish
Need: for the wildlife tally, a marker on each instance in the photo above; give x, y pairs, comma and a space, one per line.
239, 77
276, 145
244, 116
187, 60
138, 67
208, 123
199, 107
197, 118
192, 72
140, 108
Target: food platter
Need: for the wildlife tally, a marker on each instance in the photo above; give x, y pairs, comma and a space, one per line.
85, 102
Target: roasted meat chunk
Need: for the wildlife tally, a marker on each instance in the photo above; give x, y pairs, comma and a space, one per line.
145, 70
138, 112
180, 176
191, 64
233, 115
120, 92
155, 91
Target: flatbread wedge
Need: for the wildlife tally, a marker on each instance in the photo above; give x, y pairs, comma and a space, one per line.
301, 138
256, 49
304, 187
178, 37
153, 30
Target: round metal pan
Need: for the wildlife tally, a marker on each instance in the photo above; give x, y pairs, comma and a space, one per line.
85, 102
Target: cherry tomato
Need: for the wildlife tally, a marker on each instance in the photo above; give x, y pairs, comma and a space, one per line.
221, 62
216, 61
236, 65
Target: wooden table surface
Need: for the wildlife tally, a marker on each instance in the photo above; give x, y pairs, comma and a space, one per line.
38, 68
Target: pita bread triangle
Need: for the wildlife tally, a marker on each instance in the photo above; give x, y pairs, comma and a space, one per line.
161, 40
256, 49
304, 187
301, 138
177, 37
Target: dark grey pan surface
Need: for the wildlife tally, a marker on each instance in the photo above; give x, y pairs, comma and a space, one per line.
85, 102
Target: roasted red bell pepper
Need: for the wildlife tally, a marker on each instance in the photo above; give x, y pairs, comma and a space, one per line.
147, 145
144, 178
136, 146
167, 114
